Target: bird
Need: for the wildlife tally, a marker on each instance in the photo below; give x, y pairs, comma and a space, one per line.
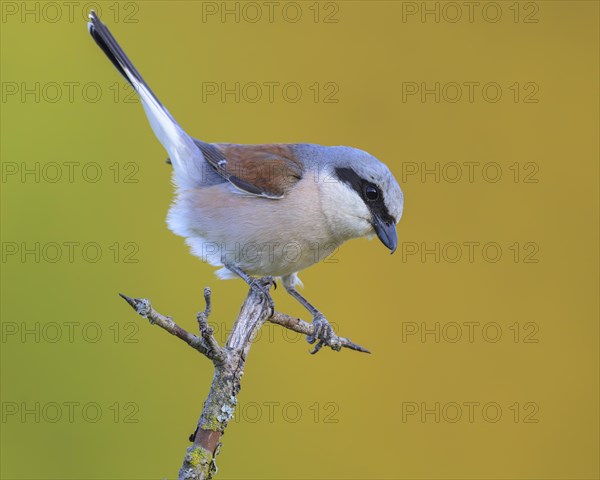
263, 212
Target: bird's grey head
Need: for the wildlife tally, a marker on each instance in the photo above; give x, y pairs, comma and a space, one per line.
363, 192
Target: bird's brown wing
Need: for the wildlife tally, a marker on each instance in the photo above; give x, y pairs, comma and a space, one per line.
269, 170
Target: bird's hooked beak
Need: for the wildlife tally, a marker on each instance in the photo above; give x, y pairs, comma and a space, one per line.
386, 232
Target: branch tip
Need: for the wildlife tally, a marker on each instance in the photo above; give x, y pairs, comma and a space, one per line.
356, 347
131, 301
141, 305
207, 296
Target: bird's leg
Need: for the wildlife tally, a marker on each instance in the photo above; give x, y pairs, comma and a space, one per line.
323, 330
259, 285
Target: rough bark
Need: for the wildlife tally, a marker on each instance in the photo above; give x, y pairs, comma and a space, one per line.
200, 459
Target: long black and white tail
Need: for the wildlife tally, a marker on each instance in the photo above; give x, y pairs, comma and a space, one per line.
185, 155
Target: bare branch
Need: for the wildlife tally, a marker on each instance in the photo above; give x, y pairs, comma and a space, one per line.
305, 328
144, 308
229, 360
215, 352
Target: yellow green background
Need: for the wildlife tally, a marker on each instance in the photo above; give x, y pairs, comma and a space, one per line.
369, 52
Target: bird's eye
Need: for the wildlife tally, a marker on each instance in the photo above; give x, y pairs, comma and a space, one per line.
371, 193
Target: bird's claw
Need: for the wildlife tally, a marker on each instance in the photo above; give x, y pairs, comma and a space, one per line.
323, 334
269, 282
261, 286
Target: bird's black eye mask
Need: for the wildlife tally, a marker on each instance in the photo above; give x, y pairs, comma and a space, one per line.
370, 193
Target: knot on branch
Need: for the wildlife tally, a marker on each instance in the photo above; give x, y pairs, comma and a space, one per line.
143, 308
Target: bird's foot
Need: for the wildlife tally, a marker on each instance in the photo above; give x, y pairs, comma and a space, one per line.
261, 286
323, 334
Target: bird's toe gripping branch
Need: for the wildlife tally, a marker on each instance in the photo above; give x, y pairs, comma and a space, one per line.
262, 286
308, 329
323, 334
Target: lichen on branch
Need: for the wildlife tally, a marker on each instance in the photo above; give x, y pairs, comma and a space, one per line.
200, 459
